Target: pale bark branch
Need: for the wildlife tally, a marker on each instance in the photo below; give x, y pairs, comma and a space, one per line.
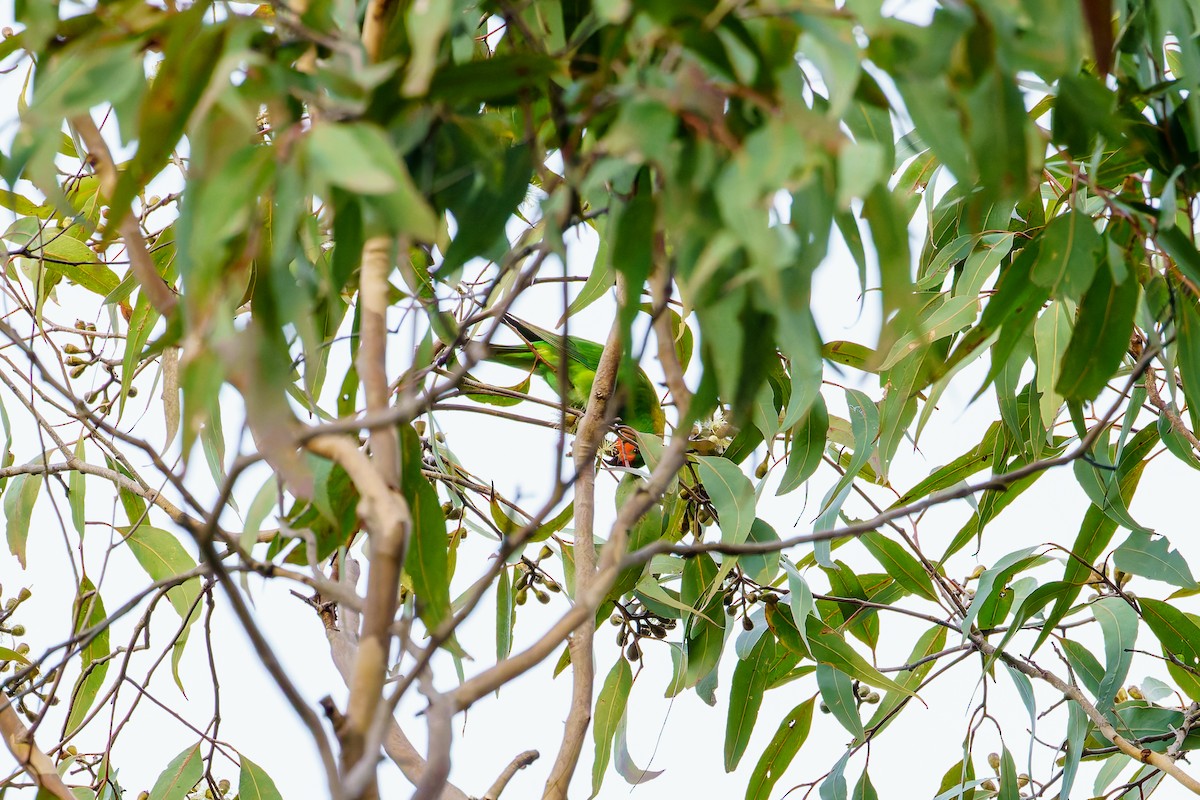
386, 517
437, 762
343, 646
587, 443
522, 761
36, 764
140, 263
372, 351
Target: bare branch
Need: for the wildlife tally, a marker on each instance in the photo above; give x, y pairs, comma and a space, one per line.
386, 516
519, 763
343, 646
437, 763
587, 443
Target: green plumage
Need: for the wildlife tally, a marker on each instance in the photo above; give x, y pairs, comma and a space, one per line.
639, 407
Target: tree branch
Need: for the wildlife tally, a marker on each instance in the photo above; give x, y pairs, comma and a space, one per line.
343, 646
520, 762
386, 517
1071, 692
36, 764
1165, 408
587, 442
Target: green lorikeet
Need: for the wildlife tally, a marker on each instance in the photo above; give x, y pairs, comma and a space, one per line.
639, 407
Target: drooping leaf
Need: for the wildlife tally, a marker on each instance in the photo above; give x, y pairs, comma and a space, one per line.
610, 707
864, 425
623, 761
898, 563
254, 783
427, 562
784, 745
1119, 625
837, 693
705, 631
750, 678
808, 444
732, 494
180, 775
19, 498
1152, 557
94, 657
1100, 337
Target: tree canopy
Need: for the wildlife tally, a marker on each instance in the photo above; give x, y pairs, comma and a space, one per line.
268, 265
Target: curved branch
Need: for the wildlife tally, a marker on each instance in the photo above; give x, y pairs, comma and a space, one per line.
519, 763
36, 764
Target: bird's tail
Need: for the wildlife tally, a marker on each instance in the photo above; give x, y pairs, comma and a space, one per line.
520, 356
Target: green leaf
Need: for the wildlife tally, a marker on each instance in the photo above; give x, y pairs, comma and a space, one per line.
504, 616
828, 647
931, 642
995, 579
780, 751
864, 790
851, 354
1100, 485
427, 562
1009, 789
1097, 529
750, 677
254, 783
1034, 602
837, 692
78, 263
864, 426
359, 158
163, 557
1077, 728
800, 601
1176, 244
623, 762
19, 498
1067, 259
180, 776
969, 463
1179, 635
705, 630
1119, 624
732, 495
761, 567
610, 707
8, 654
898, 563
808, 445
93, 659
262, 505
1152, 557
76, 487
1101, 336
1050, 335
833, 786
959, 781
